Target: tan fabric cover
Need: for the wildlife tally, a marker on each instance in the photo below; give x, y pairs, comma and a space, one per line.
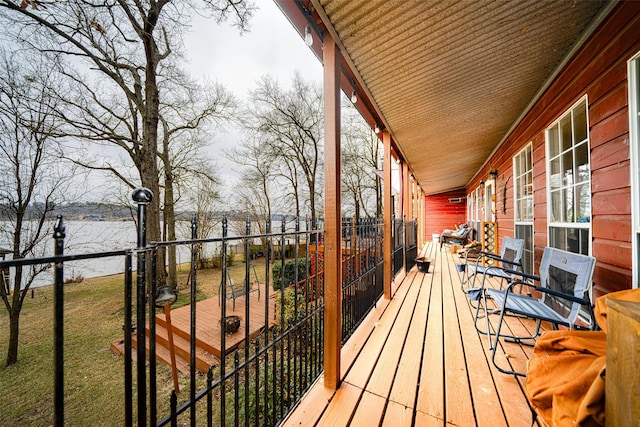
566, 377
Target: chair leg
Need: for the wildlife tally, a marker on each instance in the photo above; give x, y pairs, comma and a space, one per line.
495, 348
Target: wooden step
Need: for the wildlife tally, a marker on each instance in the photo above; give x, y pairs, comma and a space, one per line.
204, 359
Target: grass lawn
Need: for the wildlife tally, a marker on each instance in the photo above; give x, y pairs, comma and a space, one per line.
94, 377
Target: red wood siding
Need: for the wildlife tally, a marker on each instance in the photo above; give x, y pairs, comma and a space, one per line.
599, 71
441, 214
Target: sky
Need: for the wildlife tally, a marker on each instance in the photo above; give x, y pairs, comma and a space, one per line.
219, 53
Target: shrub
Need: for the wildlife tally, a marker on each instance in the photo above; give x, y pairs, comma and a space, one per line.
289, 272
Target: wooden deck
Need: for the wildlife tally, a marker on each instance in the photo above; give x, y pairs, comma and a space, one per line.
418, 360
208, 330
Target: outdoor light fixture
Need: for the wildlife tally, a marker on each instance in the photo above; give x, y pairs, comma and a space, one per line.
165, 296
493, 174
376, 129
481, 184
308, 37
354, 96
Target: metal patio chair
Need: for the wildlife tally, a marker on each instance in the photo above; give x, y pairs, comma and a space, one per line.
564, 286
509, 259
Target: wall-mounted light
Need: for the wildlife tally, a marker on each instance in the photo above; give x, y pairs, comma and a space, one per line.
481, 184
308, 37
376, 129
493, 174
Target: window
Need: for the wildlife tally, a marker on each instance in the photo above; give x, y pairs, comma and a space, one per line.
569, 181
476, 217
523, 204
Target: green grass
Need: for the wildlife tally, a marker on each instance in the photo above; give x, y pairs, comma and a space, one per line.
94, 376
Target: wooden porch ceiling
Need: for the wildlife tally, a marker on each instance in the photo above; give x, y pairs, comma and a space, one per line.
418, 360
448, 79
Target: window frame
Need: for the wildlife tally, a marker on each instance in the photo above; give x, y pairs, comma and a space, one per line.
633, 80
549, 158
517, 220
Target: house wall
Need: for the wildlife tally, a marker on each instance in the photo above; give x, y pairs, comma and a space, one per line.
598, 70
441, 214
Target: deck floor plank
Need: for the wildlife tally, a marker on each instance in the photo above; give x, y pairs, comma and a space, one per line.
431, 389
418, 360
397, 415
368, 357
407, 377
458, 403
488, 410
369, 411
384, 372
341, 407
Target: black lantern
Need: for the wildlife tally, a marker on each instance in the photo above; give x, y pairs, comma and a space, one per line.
165, 296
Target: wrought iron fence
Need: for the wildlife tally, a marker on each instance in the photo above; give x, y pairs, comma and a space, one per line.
261, 370
398, 245
411, 243
362, 270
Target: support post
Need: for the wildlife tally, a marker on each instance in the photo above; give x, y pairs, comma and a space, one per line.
332, 210
388, 215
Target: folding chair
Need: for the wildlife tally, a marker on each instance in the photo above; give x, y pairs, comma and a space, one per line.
565, 281
509, 258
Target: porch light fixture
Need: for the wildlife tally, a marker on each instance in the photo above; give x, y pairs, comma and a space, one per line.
308, 37
376, 129
165, 296
493, 174
354, 96
481, 184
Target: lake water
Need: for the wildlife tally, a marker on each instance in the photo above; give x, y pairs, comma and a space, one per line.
100, 236
95, 236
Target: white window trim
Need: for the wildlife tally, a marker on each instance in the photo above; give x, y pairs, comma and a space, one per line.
513, 161
633, 72
515, 221
580, 225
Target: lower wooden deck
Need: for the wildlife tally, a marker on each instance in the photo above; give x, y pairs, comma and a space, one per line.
418, 360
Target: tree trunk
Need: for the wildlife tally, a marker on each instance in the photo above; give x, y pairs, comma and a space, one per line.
14, 318
169, 218
149, 164
14, 322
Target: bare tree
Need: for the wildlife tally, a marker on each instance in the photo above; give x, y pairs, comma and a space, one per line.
361, 187
289, 123
187, 107
205, 200
121, 47
255, 196
33, 176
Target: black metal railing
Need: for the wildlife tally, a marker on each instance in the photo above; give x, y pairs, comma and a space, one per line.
411, 243
398, 245
361, 259
258, 381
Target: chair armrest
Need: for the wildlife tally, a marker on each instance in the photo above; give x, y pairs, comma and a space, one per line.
523, 274
562, 295
520, 283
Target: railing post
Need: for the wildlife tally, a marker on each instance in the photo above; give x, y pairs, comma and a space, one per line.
142, 197
192, 326
58, 328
